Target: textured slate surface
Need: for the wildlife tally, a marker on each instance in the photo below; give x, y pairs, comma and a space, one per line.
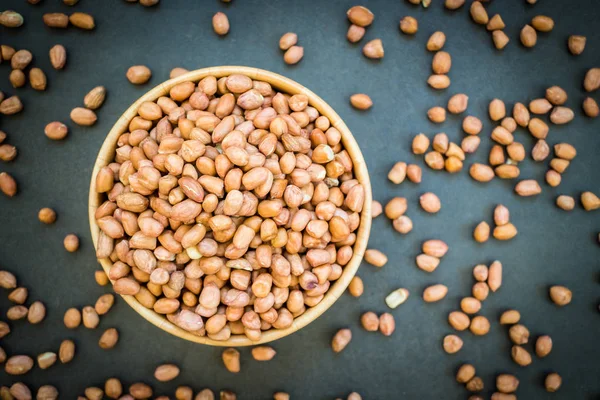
553, 247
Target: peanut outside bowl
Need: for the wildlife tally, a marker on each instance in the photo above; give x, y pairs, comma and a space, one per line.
107, 152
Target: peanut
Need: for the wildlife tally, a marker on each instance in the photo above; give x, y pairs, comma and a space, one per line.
540, 151
231, 360
166, 372
11, 19
453, 4
452, 344
402, 224
542, 23
495, 276
543, 346
340, 340
458, 103
36, 313
565, 151
480, 325
56, 130
465, 373
370, 321
441, 63
71, 243
361, 16
591, 82
361, 101
520, 356
560, 295
495, 23
430, 203
434, 293
84, 117
11, 105
288, 40
436, 41
139, 74
356, 287
82, 20
414, 173
590, 107
427, 263
95, 98
17, 78
497, 110
528, 36
438, 81
420, 144
576, 44
375, 258
220, 23
470, 144
527, 188
506, 383
481, 172
561, 115
409, 25
293, 55
519, 334
46, 360
18, 365
552, 382
481, 233
387, 324
478, 13
590, 201
66, 351
540, 106
566, 203
510, 317
263, 353
505, 232
475, 384
396, 298
355, 33
58, 56
500, 39
376, 209
396, 207
556, 95
459, 320
472, 125
374, 49
521, 114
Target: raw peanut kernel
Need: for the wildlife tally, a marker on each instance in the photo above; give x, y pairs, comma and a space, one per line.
459, 320
409, 25
543, 346
495, 23
454, 4
355, 33
231, 360
397, 173
396, 298
430, 203
560, 295
497, 110
387, 324
452, 344
505, 232
71, 243
576, 44
481, 172
441, 63
361, 101
341, 340
356, 287
475, 385
82, 20
465, 373
420, 144
540, 106
552, 382
435, 248
84, 117
472, 125
414, 173
11, 19
542, 23
458, 103
427, 263
510, 317
360, 16
540, 151
370, 321
538, 128
590, 201
519, 334
438, 81
520, 356
402, 224
436, 41
441, 142
166, 372
528, 188
263, 353
139, 74
434, 160
495, 276
95, 98
561, 115
58, 56
375, 258
506, 383
507, 171
434, 293
56, 130
482, 232
501, 215
374, 49
590, 107
556, 95
288, 40
500, 39
109, 339
565, 151
591, 82
478, 13
376, 209
293, 55
395, 207
220, 23
480, 325
8, 186
567, 203
528, 36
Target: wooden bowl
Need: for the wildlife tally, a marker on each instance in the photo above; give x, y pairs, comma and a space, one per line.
107, 152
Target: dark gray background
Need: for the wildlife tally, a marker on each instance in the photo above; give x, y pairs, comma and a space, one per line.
553, 247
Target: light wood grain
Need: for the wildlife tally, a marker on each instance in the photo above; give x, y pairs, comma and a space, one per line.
107, 152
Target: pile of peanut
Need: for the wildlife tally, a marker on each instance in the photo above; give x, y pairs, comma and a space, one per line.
230, 207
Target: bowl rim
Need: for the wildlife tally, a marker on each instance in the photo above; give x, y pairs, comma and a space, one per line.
286, 85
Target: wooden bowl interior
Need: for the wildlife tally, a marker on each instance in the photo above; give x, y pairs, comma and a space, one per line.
106, 156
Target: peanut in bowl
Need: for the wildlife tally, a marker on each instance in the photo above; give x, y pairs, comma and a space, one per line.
230, 206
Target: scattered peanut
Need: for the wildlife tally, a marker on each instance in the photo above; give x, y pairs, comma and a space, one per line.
552, 382
465, 373
430, 203
231, 360
434, 293
370, 321
341, 340
576, 44
375, 257
543, 346
361, 101
560, 295
452, 344
409, 25
374, 49
356, 286
387, 324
